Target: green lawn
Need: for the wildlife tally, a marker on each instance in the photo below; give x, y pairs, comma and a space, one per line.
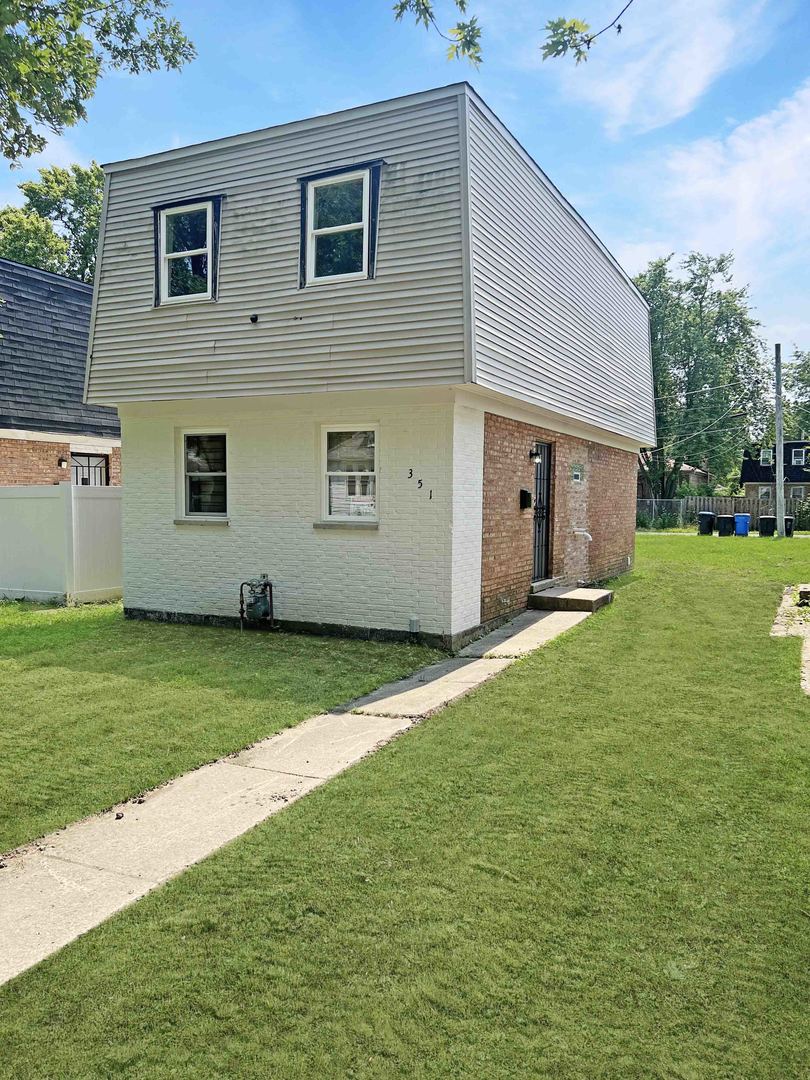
595, 866
97, 708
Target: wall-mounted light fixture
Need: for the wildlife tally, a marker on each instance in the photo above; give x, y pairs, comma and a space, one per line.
536, 453
63, 462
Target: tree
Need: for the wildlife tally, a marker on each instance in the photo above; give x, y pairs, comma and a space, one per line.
53, 52
57, 227
71, 199
797, 395
709, 372
562, 35
28, 238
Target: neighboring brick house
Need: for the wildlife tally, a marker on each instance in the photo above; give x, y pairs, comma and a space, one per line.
47, 434
376, 355
758, 472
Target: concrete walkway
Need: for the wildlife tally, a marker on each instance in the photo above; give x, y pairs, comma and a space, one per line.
61, 886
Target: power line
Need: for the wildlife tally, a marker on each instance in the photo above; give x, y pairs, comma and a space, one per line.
701, 390
702, 431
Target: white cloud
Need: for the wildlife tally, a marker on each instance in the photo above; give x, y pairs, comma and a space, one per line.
666, 58
746, 192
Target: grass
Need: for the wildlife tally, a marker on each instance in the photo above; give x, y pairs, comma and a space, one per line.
99, 708
595, 866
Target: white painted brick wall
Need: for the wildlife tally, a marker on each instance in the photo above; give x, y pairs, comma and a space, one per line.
468, 477
377, 578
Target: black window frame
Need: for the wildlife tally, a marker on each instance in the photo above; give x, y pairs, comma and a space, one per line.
216, 217
101, 470
374, 169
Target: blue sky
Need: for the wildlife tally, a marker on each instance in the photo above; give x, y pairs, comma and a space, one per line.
690, 131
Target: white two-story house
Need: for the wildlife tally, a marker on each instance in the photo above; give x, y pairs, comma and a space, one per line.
375, 355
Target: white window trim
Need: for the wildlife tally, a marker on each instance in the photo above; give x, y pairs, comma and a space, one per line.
166, 257
765, 457
793, 490
765, 493
351, 518
797, 460
312, 233
183, 513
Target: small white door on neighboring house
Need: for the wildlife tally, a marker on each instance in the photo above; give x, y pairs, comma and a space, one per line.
90, 470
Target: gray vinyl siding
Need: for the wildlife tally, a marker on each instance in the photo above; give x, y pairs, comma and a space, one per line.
555, 321
403, 328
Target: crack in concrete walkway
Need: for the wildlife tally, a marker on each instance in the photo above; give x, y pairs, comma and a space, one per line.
64, 884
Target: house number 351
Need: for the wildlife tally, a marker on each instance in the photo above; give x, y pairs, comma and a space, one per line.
419, 483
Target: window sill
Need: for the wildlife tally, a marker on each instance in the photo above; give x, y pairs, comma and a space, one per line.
372, 525
336, 279
174, 304
202, 521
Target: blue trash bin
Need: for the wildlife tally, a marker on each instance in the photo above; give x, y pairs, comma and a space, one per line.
741, 524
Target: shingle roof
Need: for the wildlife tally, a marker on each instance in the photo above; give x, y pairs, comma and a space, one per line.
753, 472
44, 323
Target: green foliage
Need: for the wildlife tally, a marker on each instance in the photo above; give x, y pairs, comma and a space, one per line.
28, 238
464, 38
71, 199
52, 53
562, 35
797, 395
709, 371
686, 491
567, 35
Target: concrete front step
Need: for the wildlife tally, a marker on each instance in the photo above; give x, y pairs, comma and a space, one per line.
546, 583
565, 599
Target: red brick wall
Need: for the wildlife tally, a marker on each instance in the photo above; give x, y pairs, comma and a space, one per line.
115, 467
24, 461
604, 503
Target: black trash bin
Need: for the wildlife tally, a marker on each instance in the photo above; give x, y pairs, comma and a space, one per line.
725, 524
705, 523
767, 524
788, 525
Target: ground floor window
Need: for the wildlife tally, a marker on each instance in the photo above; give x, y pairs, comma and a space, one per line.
797, 493
90, 470
765, 494
205, 471
350, 473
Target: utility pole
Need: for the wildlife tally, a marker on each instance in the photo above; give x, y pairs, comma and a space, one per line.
780, 445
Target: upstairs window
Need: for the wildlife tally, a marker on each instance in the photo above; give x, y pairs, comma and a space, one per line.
186, 249
205, 475
339, 213
798, 456
350, 481
766, 456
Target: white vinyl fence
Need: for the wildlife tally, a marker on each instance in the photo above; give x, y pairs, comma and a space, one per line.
60, 542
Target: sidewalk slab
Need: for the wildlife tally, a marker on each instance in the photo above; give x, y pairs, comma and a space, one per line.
524, 634
46, 903
178, 824
323, 745
430, 689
